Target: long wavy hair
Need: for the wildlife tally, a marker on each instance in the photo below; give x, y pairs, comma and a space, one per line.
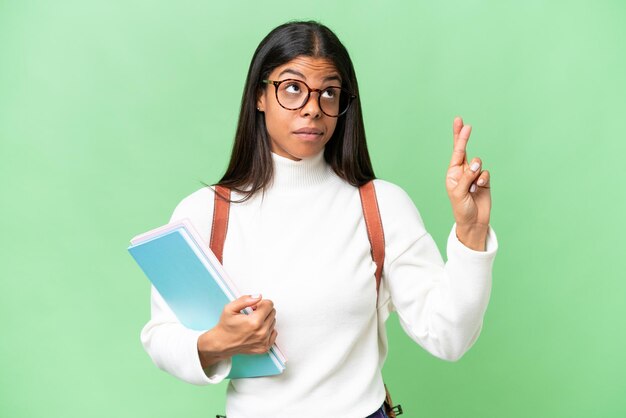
251, 166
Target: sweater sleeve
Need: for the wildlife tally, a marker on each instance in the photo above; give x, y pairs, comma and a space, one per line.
171, 346
440, 305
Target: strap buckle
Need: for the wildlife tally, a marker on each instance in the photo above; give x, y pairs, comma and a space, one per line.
393, 411
397, 410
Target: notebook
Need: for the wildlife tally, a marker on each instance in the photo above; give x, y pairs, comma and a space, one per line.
196, 287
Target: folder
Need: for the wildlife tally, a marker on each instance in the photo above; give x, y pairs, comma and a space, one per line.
196, 287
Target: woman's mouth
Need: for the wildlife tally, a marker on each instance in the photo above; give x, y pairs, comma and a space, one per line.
308, 134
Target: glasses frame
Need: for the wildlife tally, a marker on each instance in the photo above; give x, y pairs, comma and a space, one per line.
351, 96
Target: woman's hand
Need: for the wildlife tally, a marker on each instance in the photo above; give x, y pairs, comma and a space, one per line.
469, 191
238, 333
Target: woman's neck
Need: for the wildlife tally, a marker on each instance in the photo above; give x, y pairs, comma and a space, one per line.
304, 173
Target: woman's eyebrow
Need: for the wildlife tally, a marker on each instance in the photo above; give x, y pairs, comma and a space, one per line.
299, 74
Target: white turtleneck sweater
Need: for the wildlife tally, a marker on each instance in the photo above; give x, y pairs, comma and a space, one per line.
304, 246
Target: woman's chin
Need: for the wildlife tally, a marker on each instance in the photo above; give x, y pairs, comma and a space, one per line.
302, 151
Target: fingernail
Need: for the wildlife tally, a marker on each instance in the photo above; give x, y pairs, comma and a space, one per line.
255, 296
481, 182
474, 166
473, 188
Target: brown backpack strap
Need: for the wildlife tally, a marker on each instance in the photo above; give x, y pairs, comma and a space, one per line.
375, 233
391, 410
220, 221
374, 227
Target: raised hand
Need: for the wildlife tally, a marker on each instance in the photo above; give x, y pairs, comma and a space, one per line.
468, 188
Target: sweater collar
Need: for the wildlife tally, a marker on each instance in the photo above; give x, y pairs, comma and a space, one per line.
307, 172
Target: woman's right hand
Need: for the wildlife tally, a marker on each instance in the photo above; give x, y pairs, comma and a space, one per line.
238, 333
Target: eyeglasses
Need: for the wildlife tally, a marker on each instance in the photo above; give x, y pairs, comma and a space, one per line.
294, 94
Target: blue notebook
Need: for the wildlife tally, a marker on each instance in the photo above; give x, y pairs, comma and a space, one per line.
195, 286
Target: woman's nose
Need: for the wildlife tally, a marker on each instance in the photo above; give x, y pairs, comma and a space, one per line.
312, 106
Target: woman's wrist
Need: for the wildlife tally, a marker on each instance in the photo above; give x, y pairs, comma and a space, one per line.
210, 349
473, 236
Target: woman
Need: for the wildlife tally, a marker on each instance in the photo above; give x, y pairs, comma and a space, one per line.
296, 234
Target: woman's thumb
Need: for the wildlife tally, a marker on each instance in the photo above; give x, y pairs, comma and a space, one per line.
243, 302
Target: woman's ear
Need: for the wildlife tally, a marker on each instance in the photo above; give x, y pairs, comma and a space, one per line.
260, 102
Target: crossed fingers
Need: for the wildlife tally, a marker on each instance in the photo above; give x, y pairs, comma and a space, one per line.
472, 176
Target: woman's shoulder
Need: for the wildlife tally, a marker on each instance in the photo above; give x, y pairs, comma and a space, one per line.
396, 207
198, 201
388, 193
388, 190
197, 207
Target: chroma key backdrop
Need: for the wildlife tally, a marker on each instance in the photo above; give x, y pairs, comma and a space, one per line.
112, 111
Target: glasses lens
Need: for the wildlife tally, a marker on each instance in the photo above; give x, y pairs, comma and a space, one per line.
292, 94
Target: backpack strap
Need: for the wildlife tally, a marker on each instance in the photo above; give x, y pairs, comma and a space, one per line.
375, 233
221, 209
371, 214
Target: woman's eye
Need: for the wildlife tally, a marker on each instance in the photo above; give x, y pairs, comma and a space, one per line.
329, 93
292, 88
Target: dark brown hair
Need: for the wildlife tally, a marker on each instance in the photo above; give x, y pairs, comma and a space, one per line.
251, 165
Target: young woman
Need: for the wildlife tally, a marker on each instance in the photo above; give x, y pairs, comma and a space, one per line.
297, 246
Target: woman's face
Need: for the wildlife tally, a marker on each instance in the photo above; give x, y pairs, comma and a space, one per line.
283, 125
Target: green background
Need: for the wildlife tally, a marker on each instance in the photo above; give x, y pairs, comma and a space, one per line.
112, 111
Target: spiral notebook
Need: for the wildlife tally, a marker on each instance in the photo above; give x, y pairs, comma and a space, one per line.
196, 287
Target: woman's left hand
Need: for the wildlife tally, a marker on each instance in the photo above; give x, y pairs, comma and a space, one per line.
468, 188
